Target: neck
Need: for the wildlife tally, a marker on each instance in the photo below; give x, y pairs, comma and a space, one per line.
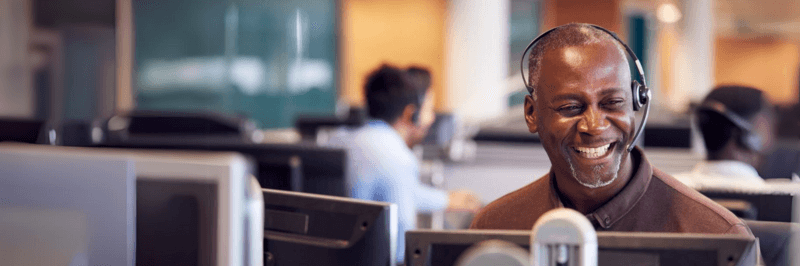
404, 130
585, 199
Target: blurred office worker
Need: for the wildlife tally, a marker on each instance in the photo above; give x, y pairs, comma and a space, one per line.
582, 104
738, 127
381, 164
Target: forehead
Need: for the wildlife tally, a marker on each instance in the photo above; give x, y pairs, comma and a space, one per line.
584, 68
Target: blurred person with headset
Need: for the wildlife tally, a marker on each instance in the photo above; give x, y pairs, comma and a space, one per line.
382, 166
582, 102
738, 125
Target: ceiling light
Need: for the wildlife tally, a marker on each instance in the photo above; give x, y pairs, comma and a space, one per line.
668, 13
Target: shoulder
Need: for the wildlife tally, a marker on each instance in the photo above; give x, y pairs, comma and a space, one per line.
379, 144
699, 209
515, 210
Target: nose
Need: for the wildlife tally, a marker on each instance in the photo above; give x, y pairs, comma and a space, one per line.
594, 122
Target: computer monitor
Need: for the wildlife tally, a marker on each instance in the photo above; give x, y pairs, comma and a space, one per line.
196, 208
191, 208
776, 201
310, 229
64, 206
21, 130
302, 168
176, 126
775, 207
427, 247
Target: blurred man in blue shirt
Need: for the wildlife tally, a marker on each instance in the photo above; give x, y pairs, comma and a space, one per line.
382, 166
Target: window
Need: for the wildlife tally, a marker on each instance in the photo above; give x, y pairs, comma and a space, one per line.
268, 60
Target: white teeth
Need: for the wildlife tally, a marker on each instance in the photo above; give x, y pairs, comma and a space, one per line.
593, 152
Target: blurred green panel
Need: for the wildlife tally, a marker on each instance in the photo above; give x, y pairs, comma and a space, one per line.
637, 40
270, 60
524, 26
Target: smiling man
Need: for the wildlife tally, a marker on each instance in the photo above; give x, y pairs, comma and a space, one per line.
581, 105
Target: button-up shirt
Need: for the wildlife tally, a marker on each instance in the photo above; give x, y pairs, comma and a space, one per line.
381, 167
652, 201
721, 173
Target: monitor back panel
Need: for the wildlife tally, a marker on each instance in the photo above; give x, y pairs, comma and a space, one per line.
61, 189
426, 247
20, 130
301, 168
769, 207
307, 229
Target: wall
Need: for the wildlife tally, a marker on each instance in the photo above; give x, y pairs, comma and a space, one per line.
392, 31
16, 87
477, 51
766, 63
607, 13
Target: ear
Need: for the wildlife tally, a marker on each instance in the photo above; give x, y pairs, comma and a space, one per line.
530, 114
408, 112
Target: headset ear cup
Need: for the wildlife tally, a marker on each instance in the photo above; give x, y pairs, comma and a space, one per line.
637, 95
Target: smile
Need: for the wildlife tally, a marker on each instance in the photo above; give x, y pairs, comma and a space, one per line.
593, 153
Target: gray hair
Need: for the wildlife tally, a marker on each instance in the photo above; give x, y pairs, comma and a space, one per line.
573, 34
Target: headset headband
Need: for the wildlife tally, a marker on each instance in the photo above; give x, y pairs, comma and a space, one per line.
720, 108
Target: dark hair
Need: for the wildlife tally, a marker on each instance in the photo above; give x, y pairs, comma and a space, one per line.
572, 34
421, 78
388, 91
717, 130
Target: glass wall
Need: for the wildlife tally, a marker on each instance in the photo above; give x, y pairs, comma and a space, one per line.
638, 32
269, 60
524, 22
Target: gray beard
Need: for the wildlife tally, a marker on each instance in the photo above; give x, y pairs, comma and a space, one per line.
596, 181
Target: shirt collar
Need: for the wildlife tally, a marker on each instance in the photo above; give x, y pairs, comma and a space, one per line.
726, 168
378, 123
605, 216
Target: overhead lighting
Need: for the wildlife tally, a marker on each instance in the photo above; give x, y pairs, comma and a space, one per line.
668, 13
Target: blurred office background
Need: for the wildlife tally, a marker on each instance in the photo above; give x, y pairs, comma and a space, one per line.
281, 64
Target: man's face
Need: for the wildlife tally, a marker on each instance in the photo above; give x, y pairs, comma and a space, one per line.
425, 119
584, 114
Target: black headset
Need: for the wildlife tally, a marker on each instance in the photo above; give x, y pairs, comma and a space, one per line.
748, 139
641, 94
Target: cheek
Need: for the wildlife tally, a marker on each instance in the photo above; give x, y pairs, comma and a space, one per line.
556, 130
625, 122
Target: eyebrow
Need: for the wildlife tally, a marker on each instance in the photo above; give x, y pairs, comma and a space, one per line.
568, 96
608, 91
576, 96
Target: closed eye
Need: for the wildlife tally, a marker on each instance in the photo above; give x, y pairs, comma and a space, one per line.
570, 109
614, 103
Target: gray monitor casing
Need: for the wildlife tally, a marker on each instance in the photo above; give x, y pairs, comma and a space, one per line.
95, 176
62, 191
615, 248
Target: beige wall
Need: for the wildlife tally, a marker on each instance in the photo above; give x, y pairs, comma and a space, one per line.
605, 13
768, 64
16, 83
399, 32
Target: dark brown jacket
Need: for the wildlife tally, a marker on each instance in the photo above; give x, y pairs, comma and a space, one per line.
652, 201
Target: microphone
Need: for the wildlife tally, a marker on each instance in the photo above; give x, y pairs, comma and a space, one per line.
563, 237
